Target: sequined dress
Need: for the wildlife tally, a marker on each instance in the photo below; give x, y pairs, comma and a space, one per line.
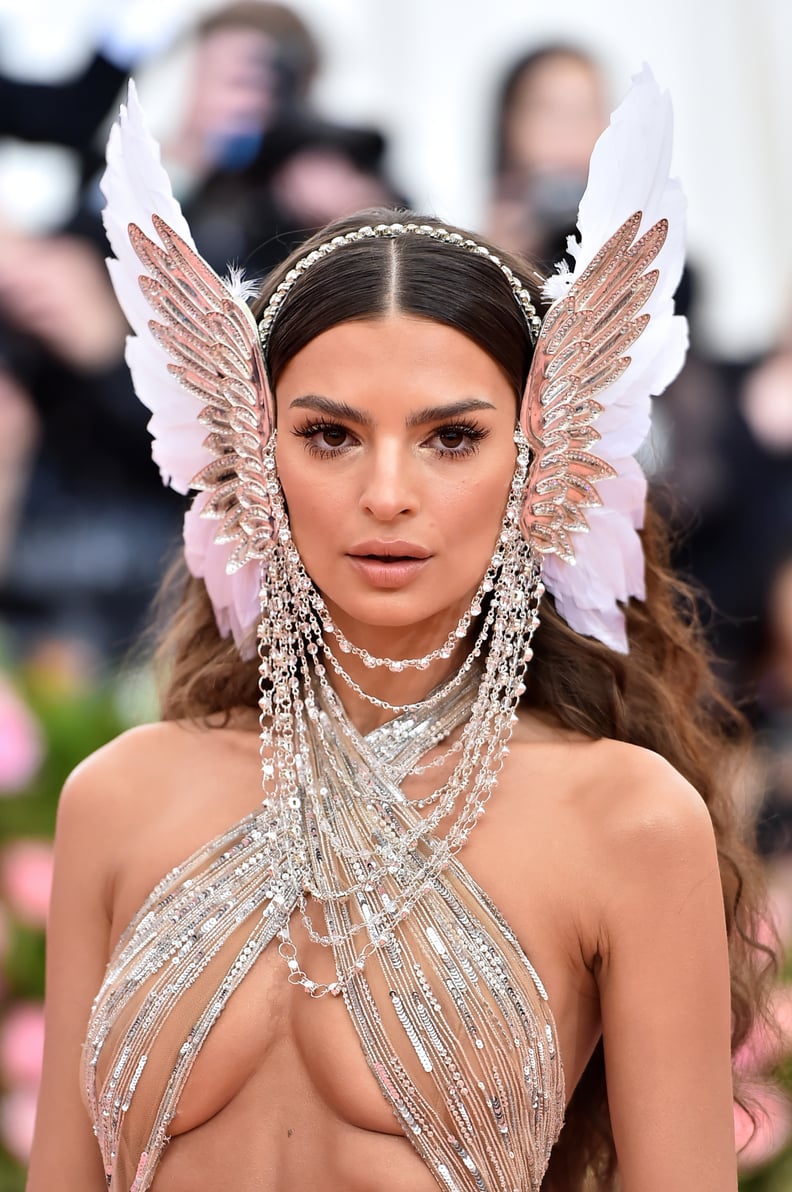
452, 1018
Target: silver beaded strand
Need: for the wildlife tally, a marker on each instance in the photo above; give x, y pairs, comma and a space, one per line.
327, 849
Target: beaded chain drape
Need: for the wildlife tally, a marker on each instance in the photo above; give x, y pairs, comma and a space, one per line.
452, 1018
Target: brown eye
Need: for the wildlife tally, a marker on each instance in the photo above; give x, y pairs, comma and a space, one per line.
451, 436
325, 439
333, 436
458, 440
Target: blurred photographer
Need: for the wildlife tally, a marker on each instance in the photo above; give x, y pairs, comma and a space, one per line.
253, 166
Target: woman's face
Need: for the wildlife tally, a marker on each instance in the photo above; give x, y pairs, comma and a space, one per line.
235, 92
395, 452
557, 112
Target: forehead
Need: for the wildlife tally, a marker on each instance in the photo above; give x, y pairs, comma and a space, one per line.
554, 76
394, 362
235, 54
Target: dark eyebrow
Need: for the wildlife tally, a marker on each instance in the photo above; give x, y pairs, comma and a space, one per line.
340, 409
465, 405
334, 409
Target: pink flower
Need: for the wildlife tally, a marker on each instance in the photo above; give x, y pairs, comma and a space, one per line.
764, 1048
17, 1119
21, 744
26, 879
3, 940
773, 1126
780, 910
22, 1045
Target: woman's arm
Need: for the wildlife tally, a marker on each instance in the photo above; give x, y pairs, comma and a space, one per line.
664, 987
65, 1153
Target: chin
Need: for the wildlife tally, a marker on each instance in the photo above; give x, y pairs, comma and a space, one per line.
387, 610
350, 597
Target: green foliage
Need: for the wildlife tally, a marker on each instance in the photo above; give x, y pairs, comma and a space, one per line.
76, 719
12, 1176
776, 1177
23, 967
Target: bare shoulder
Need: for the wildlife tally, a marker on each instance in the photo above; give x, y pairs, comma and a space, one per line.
615, 789
611, 814
144, 771
150, 797
146, 745
637, 799
99, 782
619, 787
143, 751
649, 830
662, 971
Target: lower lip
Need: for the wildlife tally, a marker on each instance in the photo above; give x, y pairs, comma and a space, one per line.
387, 575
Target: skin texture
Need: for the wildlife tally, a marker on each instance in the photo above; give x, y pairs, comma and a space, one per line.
598, 853
432, 483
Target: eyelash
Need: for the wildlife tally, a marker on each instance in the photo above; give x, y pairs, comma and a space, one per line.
473, 433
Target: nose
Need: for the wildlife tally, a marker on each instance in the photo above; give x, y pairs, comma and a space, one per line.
389, 488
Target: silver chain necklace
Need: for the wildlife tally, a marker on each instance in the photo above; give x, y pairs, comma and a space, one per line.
343, 836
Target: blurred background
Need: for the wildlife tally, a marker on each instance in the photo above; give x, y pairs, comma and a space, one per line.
274, 119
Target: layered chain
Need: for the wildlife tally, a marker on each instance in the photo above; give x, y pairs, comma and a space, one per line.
344, 835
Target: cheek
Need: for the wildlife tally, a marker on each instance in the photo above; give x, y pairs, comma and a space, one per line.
468, 510
315, 500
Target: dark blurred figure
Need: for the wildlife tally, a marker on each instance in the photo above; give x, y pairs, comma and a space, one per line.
19, 431
552, 106
254, 168
725, 482
250, 160
70, 112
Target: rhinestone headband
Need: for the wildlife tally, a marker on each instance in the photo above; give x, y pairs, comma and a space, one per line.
392, 230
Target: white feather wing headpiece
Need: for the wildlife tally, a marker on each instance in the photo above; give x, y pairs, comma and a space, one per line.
199, 368
608, 343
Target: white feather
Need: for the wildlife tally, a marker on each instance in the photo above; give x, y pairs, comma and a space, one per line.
235, 596
136, 186
557, 284
629, 172
239, 286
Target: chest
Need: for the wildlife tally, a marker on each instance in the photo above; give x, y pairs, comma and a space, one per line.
280, 1045
291, 1054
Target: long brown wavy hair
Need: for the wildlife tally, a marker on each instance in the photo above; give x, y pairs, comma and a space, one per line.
662, 695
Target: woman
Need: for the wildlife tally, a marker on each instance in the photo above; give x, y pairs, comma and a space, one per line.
492, 872
551, 107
